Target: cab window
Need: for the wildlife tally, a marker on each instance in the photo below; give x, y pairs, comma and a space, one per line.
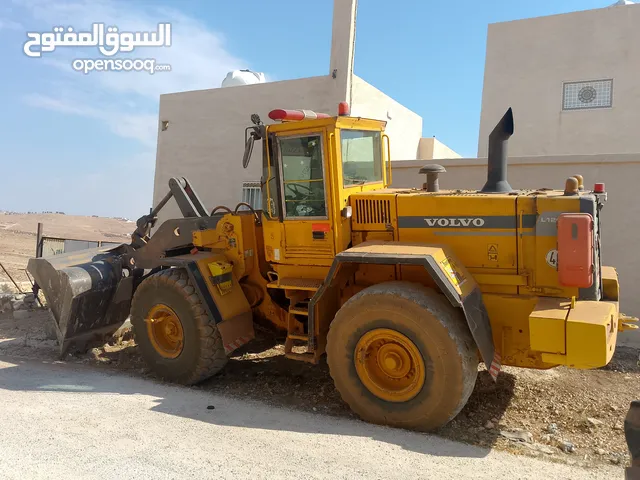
270, 194
361, 157
303, 176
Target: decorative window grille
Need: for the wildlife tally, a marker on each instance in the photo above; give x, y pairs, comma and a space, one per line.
252, 195
587, 95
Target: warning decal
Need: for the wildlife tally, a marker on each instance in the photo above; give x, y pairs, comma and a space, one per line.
492, 252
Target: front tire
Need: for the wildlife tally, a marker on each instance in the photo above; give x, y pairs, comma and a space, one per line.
401, 355
176, 337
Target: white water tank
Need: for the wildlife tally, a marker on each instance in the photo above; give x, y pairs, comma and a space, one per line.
242, 77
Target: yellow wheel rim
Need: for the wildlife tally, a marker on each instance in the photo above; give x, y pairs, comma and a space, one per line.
389, 365
165, 331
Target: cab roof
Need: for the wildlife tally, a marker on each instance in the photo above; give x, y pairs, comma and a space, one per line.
345, 122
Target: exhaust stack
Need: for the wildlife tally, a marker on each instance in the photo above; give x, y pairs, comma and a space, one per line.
497, 157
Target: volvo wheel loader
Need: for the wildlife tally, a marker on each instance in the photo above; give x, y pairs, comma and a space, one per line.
404, 290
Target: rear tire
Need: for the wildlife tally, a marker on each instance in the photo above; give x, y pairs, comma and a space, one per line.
195, 351
383, 329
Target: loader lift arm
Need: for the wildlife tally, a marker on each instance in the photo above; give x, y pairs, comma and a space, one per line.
188, 201
91, 291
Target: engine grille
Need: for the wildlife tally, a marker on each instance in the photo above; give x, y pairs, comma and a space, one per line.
372, 212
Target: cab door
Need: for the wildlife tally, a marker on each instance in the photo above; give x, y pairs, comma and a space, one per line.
305, 194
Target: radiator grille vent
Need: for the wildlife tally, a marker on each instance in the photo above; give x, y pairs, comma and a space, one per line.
373, 211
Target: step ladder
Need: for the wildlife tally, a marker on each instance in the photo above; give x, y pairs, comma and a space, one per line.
299, 292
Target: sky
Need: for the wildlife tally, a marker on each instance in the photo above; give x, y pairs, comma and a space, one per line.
85, 144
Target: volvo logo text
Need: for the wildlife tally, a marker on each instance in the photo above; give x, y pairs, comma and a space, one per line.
454, 222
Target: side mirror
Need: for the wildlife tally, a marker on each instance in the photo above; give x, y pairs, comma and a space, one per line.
257, 133
248, 150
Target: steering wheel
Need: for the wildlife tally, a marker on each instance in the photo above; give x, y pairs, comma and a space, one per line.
294, 189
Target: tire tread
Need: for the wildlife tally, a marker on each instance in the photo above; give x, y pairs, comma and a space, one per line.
445, 313
212, 356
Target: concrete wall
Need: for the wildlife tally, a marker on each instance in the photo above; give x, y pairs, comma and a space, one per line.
620, 216
432, 149
404, 127
527, 62
204, 140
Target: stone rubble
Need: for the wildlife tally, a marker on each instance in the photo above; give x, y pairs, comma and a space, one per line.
10, 303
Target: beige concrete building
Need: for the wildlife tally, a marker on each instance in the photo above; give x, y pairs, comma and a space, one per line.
201, 133
432, 148
572, 80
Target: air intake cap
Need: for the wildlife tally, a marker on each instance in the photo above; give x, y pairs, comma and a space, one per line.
432, 172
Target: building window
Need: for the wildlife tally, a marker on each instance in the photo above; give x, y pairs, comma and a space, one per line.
251, 194
591, 94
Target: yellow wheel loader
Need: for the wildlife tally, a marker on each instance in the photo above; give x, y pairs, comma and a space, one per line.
405, 291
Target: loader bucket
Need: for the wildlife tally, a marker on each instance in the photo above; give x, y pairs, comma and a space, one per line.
85, 291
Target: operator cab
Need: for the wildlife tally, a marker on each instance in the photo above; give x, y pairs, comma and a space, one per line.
312, 163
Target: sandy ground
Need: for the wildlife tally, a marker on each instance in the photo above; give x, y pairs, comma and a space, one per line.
60, 421
18, 235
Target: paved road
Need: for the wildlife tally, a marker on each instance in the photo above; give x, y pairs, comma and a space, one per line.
68, 421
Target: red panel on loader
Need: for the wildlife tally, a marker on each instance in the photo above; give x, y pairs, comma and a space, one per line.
575, 250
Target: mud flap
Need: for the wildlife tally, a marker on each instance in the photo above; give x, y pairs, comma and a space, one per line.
85, 291
478, 321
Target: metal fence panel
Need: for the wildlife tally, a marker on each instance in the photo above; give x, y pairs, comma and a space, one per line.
52, 246
55, 246
75, 245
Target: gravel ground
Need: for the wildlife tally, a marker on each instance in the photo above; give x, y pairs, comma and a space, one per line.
562, 415
66, 421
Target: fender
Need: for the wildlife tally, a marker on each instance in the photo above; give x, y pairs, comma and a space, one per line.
221, 295
453, 279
